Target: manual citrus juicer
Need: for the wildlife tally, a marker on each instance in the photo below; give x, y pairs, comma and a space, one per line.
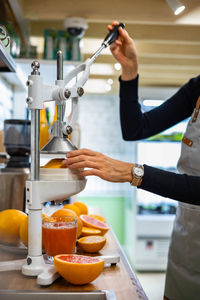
43, 187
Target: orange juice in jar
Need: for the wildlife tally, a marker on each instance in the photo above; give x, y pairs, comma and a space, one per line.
59, 235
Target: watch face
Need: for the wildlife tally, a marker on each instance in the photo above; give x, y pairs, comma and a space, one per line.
139, 171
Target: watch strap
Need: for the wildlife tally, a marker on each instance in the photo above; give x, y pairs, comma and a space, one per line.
137, 180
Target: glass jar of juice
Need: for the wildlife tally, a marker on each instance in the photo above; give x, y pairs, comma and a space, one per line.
59, 235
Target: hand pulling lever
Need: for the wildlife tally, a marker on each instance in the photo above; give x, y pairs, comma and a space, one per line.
112, 35
109, 39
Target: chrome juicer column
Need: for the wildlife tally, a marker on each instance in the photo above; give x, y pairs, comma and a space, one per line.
40, 190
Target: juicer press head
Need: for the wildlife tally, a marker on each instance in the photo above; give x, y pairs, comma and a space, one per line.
58, 145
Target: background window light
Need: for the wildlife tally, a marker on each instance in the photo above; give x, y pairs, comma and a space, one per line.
151, 102
117, 66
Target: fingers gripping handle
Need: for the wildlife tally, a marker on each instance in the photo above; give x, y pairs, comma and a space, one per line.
85, 67
109, 39
112, 35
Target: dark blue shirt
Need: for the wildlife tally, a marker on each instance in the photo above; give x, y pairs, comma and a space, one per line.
137, 125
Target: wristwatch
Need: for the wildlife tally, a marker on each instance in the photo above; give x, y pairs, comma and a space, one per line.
138, 173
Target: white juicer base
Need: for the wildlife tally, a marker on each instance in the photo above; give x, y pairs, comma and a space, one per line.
34, 265
46, 273
48, 276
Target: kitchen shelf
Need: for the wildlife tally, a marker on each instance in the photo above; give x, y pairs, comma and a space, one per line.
7, 64
10, 71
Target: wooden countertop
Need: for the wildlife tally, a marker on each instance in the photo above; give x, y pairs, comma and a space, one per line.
120, 278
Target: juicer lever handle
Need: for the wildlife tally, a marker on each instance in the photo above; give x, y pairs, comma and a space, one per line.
112, 35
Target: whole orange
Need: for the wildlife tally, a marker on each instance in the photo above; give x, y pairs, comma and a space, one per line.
10, 221
82, 206
68, 212
23, 231
64, 212
74, 208
79, 228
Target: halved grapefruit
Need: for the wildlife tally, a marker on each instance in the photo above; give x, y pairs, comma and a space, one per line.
98, 217
90, 231
78, 269
92, 243
94, 223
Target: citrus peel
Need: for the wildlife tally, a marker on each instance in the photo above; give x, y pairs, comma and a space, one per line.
73, 207
23, 231
98, 217
82, 206
55, 163
94, 223
68, 212
10, 222
92, 244
78, 269
90, 231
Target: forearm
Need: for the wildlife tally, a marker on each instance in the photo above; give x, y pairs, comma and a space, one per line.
181, 187
138, 125
130, 71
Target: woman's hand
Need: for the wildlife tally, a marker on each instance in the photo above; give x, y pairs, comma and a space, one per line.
99, 165
124, 51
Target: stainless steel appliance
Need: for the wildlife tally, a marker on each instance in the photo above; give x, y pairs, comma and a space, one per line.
15, 172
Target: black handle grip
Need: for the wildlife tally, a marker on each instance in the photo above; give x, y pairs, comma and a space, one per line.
112, 35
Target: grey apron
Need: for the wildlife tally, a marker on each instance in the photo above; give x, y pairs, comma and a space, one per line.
183, 271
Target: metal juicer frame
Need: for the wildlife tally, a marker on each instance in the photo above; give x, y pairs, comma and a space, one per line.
36, 189
40, 191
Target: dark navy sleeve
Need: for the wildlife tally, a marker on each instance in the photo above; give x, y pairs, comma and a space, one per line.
136, 125
181, 187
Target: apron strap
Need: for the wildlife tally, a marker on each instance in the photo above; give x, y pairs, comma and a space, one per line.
187, 141
196, 111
